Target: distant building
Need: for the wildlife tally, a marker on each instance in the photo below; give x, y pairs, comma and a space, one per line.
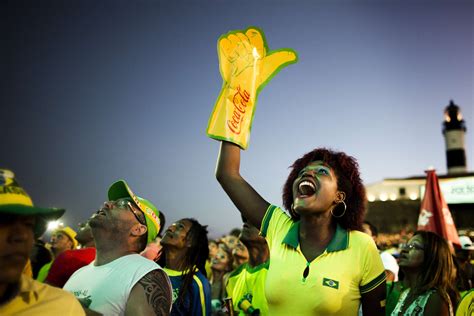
394, 204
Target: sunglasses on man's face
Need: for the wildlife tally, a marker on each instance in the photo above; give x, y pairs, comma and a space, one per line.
124, 204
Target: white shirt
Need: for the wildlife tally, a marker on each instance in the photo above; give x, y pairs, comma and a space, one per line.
390, 263
106, 288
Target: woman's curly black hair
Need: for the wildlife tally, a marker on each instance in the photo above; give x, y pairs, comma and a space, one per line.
346, 169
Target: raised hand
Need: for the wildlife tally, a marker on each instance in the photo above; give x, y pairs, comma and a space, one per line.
246, 66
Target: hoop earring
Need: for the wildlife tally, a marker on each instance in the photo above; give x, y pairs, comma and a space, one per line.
344, 212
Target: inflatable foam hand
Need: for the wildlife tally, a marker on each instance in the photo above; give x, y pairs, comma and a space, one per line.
246, 66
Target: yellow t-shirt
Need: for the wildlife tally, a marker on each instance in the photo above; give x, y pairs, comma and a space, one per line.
249, 281
350, 266
466, 306
36, 298
208, 269
28, 270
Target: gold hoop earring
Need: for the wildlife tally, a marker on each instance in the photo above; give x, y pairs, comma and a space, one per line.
344, 212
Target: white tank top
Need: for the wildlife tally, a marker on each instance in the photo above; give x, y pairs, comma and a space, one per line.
105, 289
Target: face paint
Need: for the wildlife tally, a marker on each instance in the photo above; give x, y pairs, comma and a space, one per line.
309, 179
315, 171
315, 188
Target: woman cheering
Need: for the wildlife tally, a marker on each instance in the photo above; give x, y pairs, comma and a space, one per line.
320, 264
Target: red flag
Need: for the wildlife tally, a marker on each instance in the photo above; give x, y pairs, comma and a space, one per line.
434, 213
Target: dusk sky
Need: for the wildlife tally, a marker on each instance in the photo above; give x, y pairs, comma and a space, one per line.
94, 91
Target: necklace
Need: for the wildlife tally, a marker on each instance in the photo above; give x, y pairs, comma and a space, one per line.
412, 304
401, 303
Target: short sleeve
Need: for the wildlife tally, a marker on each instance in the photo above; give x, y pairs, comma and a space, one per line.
266, 220
373, 273
274, 223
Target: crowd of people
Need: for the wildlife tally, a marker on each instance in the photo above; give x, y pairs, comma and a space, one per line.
122, 260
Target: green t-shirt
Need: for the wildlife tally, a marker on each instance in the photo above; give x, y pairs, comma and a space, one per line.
394, 290
43, 272
466, 306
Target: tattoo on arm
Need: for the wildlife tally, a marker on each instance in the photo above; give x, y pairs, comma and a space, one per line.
157, 291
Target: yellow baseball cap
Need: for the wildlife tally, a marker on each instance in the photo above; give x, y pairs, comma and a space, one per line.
68, 231
15, 201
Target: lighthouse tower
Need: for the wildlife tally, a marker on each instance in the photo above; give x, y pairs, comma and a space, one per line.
453, 131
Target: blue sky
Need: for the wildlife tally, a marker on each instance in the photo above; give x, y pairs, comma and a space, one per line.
101, 90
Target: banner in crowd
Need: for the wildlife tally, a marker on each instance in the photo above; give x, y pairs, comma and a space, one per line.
434, 213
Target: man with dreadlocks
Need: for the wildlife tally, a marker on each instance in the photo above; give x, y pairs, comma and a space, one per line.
185, 248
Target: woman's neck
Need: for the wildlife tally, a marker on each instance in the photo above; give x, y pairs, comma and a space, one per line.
317, 229
411, 279
217, 275
324, 224
316, 232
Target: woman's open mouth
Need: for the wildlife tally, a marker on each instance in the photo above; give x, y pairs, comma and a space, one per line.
306, 188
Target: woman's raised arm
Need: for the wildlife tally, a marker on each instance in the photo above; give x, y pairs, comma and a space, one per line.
246, 199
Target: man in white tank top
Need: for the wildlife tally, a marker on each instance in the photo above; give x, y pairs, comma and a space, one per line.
120, 281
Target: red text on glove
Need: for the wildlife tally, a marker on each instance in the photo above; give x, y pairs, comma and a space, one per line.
240, 101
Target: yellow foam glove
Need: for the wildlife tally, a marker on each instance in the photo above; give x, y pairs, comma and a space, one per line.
246, 67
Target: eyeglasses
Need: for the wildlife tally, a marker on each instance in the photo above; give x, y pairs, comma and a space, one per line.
409, 247
128, 205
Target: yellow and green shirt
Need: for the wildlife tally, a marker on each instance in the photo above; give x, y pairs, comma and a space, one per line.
249, 281
466, 307
36, 298
350, 266
198, 299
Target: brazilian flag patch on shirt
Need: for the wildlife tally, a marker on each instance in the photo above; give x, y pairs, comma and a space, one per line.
331, 283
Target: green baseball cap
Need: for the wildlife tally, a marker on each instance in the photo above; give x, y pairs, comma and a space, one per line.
120, 190
15, 201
